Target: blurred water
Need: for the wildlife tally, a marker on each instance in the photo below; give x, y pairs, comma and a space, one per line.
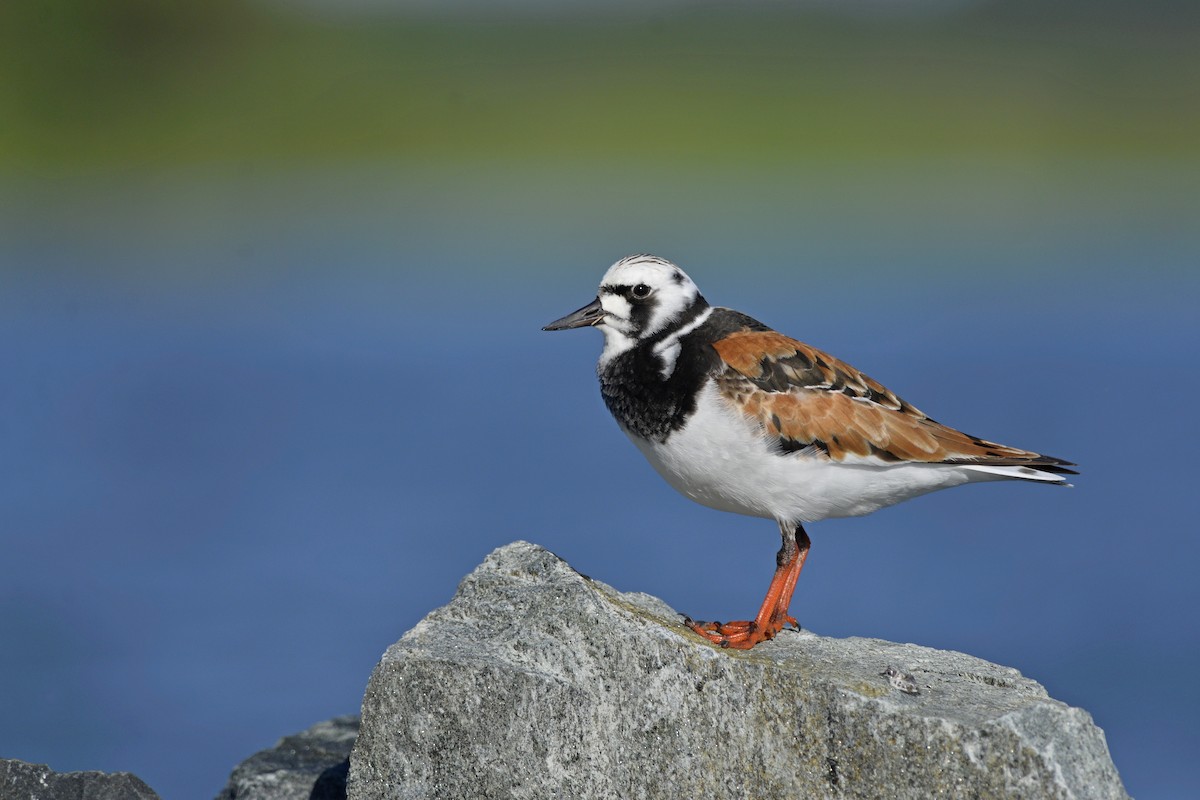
248, 443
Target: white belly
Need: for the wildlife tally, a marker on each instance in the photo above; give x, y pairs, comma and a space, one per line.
723, 460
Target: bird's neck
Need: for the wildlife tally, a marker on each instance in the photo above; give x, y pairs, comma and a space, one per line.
651, 386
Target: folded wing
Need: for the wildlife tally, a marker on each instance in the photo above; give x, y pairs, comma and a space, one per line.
814, 403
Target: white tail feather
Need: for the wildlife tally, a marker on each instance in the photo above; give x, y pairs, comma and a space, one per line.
1018, 473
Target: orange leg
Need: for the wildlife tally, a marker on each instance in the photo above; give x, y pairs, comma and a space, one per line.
744, 634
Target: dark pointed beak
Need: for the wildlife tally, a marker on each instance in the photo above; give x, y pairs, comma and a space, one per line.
591, 314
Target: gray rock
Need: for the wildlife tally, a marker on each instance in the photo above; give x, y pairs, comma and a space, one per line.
310, 765
20, 780
537, 682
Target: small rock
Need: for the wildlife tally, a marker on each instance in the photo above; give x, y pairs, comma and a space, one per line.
310, 765
20, 780
901, 680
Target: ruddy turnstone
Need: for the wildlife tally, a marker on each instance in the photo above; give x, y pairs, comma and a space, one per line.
741, 418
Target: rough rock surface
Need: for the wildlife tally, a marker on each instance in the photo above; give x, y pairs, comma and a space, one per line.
537, 682
20, 780
310, 765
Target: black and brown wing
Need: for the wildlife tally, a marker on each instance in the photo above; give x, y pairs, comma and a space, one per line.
814, 402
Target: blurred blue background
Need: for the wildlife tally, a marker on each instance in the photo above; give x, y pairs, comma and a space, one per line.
271, 283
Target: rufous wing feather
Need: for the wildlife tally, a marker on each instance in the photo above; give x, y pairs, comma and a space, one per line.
812, 401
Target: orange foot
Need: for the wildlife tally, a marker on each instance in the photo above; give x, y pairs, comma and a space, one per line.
742, 634
773, 615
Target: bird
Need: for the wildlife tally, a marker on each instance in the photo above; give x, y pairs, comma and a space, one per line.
741, 418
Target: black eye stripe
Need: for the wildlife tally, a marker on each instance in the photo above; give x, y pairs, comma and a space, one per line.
640, 313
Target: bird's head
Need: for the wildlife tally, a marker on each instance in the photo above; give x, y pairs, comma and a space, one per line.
640, 296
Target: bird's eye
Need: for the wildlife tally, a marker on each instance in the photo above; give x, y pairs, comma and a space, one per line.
641, 291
